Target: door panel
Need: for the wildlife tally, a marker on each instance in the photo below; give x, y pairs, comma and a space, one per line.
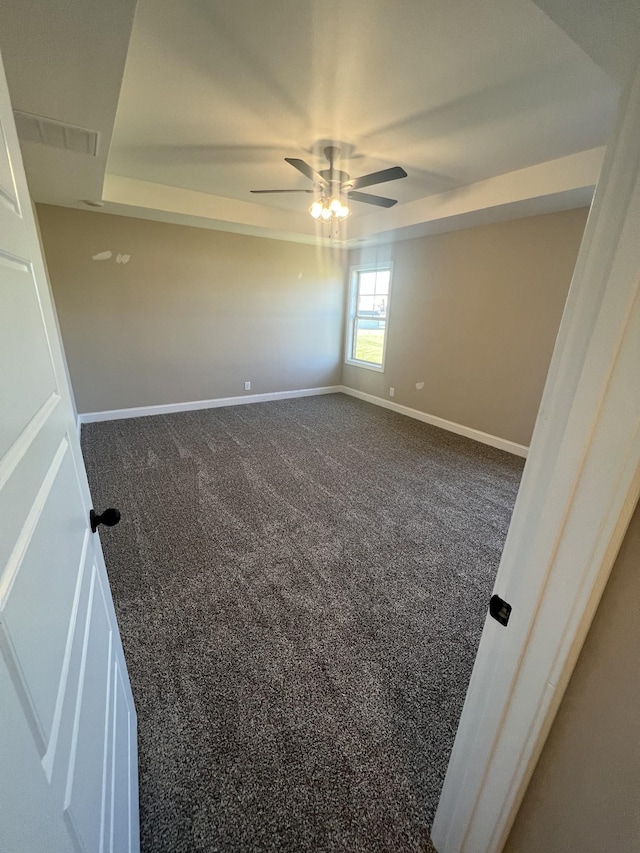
62, 727
22, 472
88, 768
67, 720
27, 784
120, 830
39, 655
26, 377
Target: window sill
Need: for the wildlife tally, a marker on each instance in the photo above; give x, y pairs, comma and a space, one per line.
379, 368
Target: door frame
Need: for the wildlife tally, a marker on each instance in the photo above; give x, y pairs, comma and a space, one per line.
579, 488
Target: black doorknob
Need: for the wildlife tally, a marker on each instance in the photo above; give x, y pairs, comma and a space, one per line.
109, 518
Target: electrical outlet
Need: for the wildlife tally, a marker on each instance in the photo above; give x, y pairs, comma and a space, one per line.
247, 386
392, 392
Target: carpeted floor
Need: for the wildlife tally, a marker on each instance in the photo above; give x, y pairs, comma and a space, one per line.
300, 588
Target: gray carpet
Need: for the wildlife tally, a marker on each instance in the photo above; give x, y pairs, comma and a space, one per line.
300, 588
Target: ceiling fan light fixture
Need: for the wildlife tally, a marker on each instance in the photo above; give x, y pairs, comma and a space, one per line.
330, 208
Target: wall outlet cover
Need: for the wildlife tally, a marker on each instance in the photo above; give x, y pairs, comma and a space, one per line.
247, 386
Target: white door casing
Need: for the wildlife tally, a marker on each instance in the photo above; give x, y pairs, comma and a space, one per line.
68, 754
579, 488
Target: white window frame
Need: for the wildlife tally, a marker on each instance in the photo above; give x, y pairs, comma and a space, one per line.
354, 273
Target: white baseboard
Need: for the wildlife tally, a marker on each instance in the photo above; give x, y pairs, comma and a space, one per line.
169, 408
459, 429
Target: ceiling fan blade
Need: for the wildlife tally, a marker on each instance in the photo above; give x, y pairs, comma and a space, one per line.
367, 198
377, 178
306, 170
281, 191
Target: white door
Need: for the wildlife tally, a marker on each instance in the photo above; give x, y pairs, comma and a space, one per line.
68, 758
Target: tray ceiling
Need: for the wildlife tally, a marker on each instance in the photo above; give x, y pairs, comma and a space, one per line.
490, 107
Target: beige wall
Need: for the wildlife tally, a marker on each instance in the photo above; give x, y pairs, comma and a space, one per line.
192, 315
195, 313
474, 315
584, 796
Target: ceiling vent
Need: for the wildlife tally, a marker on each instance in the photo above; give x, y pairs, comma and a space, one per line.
32, 128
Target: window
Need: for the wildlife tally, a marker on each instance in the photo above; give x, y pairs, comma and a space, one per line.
368, 315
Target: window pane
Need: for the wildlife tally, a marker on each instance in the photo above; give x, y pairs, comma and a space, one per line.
376, 281
367, 304
382, 281
372, 306
368, 339
380, 305
367, 282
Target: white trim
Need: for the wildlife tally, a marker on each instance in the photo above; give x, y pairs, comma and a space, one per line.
579, 488
434, 420
169, 408
365, 365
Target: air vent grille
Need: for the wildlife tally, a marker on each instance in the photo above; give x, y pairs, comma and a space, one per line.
32, 128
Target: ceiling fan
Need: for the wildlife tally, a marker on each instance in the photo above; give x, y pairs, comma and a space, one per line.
331, 185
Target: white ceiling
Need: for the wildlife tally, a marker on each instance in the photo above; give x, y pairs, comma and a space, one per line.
490, 107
